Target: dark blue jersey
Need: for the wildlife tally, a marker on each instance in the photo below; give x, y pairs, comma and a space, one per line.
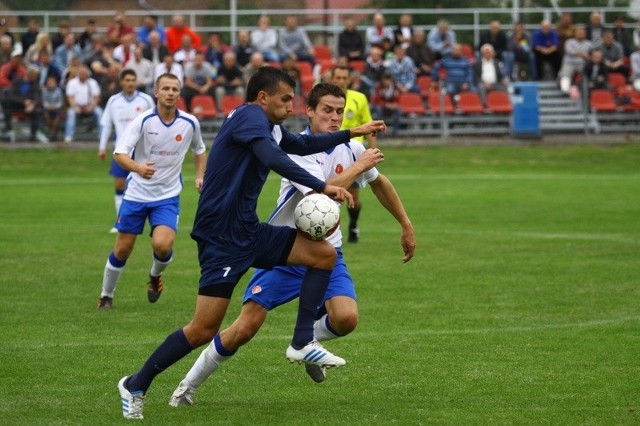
242, 154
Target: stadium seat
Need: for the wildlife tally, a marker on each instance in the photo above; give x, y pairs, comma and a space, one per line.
434, 103
230, 102
325, 65
411, 103
602, 100
203, 106
424, 83
468, 52
616, 80
498, 102
358, 65
305, 69
470, 103
322, 52
182, 104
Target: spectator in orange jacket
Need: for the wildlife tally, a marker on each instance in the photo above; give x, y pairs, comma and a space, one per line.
176, 31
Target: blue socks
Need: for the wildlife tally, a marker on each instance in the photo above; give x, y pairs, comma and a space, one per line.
174, 348
314, 286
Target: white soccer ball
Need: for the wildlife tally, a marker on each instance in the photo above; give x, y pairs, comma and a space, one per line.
317, 216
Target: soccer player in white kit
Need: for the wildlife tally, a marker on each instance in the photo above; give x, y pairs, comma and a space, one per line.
121, 109
343, 166
161, 138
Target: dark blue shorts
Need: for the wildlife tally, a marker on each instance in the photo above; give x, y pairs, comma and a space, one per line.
222, 264
271, 288
117, 171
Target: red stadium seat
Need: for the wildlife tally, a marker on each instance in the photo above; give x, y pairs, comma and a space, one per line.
434, 103
203, 106
616, 80
358, 66
322, 52
602, 100
424, 83
411, 103
182, 104
470, 103
498, 102
230, 102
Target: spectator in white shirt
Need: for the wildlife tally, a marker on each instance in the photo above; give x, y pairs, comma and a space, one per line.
144, 70
265, 40
487, 72
83, 97
168, 65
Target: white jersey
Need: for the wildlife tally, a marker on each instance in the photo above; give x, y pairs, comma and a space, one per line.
164, 144
120, 111
323, 165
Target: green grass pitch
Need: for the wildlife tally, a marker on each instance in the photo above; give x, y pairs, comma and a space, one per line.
520, 307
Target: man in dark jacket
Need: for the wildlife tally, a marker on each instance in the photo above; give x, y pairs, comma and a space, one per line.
23, 96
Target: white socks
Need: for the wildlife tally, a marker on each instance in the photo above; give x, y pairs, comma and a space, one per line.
321, 331
110, 279
208, 362
158, 267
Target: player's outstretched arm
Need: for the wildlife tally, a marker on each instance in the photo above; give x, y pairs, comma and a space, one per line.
372, 127
200, 162
338, 194
366, 161
388, 197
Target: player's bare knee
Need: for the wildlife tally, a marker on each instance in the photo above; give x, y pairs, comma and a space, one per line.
344, 323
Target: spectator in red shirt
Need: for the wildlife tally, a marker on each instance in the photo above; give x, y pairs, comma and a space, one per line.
119, 28
176, 31
12, 70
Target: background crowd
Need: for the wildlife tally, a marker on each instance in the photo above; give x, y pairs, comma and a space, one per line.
52, 80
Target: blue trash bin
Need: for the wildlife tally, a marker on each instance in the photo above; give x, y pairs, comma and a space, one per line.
526, 110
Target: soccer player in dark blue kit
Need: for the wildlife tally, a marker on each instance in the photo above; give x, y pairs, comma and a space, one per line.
230, 237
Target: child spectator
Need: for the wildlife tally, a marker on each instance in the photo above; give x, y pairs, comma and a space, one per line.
52, 104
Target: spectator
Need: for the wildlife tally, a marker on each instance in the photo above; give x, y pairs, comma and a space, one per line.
289, 66
636, 35
86, 38
497, 38
124, 51
612, 53
566, 30
243, 49
257, 61
595, 29
58, 38
265, 40
488, 73
350, 42
47, 68
71, 71
109, 86
52, 107
215, 50
374, 67
401, 69
150, 24
621, 35
385, 103
359, 85
42, 42
12, 70
143, 69
168, 65
154, 50
176, 31
459, 71
545, 47
120, 28
294, 42
524, 62
596, 71
441, 40
29, 37
229, 80
403, 33
4, 30
377, 32
83, 98
102, 62
576, 54
186, 53
197, 79
24, 96
635, 69
5, 49
66, 51
420, 53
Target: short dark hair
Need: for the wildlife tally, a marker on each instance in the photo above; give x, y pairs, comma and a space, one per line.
267, 79
166, 75
323, 89
340, 67
127, 71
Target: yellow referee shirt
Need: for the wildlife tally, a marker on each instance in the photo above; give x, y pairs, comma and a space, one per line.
356, 111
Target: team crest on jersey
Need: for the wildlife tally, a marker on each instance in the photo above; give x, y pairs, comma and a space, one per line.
339, 169
178, 138
256, 289
350, 114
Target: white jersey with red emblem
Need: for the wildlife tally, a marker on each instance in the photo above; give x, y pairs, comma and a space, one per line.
324, 166
120, 111
164, 144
